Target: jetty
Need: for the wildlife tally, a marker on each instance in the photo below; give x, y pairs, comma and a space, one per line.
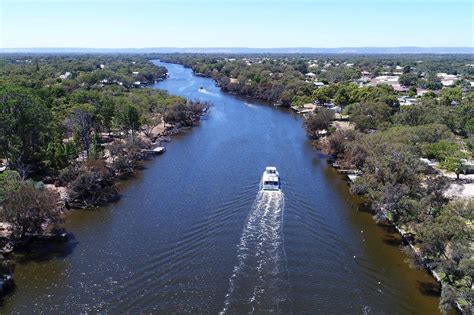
155, 151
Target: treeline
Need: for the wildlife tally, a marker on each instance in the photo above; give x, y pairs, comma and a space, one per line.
70, 137
64, 73
280, 79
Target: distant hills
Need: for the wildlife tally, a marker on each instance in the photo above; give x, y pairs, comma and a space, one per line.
244, 50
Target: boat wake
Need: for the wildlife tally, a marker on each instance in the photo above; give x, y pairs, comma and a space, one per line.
204, 91
259, 281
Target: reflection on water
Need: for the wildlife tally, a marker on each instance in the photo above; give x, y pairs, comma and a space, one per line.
190, 235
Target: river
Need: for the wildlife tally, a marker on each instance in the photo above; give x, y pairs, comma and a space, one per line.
192, 232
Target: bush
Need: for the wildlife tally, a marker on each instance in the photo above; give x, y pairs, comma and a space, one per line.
318, 121
28, 209
91, 189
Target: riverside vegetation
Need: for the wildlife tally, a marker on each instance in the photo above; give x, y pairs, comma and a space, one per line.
383, 141
70, 126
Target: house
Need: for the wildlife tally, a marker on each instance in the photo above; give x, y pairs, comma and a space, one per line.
135, 72
310, 75
318, 84
421, 92
363, 79
447, 79
447, 82
399, 88
384, 79
406, 101
65, 75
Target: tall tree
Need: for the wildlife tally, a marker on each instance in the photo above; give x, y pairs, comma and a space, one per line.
24, 119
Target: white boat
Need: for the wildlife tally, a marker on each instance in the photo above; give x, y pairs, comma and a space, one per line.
201, 89
271, 179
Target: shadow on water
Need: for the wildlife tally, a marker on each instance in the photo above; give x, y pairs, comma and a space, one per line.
41, 251
390, 236
429, 288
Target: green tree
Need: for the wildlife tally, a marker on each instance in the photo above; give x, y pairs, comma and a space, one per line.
28, 209
449, 96
408, 79
319, 120
24, 122
370, 115
128, 118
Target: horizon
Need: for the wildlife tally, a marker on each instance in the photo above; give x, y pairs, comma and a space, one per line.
230, 47
394, 50
267, 24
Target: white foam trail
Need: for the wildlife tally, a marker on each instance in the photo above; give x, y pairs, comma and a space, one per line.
259, 279
204, 91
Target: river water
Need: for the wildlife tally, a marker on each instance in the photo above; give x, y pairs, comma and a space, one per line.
193, 234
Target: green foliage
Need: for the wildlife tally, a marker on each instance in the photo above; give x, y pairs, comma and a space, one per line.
319, 120
369, 115
59, 154
408, 79
449, 96
24, 122
441, 150
48, 120
445, 240
469, 126
129, 118
26, 207
300, 100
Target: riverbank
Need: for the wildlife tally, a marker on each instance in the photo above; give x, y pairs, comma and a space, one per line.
65, 202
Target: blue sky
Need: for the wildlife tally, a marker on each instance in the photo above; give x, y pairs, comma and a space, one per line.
232, 23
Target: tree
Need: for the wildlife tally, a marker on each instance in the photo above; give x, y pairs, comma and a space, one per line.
24, 120
80, 121
129, 118
150, 122
106, 113
29, 209
408, 79
61, 154
323, 95
445, 242
90, 185
342, 97
449, 96
449, 154
319, 120
370, 115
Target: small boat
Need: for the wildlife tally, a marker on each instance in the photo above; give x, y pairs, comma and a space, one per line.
201, 89
271, 179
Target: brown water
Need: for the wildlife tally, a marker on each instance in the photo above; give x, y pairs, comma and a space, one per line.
192, 233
